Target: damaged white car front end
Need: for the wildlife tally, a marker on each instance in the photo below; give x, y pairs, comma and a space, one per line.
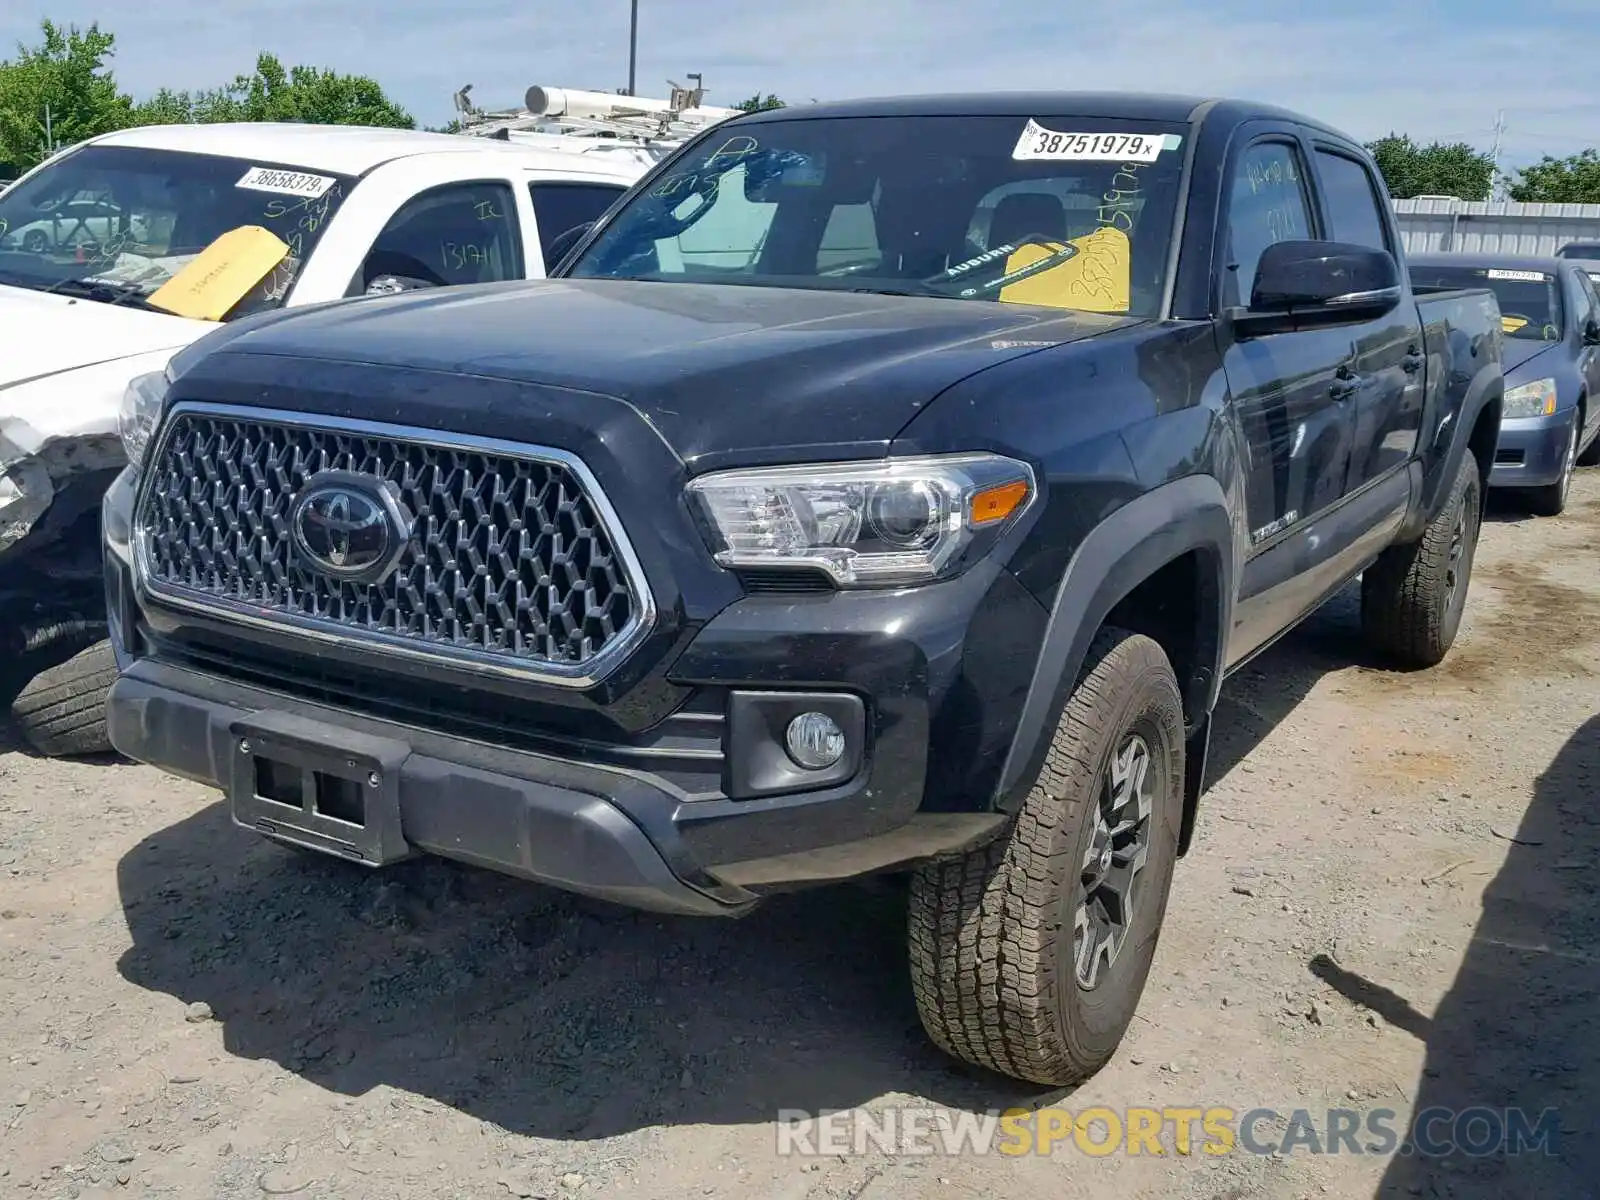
65, 365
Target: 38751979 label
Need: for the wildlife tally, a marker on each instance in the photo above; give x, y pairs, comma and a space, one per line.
285, 183
1037, 142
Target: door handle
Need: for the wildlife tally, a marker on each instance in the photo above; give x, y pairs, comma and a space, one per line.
1412, 362
1345, 383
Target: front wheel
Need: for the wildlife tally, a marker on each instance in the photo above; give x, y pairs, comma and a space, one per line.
1551, 500
1412, 598
62, 709
1029, 955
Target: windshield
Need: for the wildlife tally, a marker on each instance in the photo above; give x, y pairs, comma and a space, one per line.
1530, 301
1064, 212
1579, 250
114, 223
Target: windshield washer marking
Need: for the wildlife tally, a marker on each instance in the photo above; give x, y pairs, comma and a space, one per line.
312, 215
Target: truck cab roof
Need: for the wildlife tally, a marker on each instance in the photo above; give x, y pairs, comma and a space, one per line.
347, 149
1129, 106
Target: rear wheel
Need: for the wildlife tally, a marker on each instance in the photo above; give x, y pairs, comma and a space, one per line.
1551, 501
1412, 598
1029, 955
62, 709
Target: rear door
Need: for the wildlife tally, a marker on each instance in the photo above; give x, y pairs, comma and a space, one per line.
561, 204
1288, 391
1386, 403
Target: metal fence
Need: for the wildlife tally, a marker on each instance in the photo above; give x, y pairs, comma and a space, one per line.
1494, 226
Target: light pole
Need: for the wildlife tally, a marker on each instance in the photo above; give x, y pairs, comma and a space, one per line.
633, 47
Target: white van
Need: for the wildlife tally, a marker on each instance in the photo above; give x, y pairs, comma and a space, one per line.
88, 240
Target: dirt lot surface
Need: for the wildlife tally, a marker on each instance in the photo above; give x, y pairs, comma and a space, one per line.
1392, 904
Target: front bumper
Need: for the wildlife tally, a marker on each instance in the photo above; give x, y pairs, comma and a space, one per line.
928, 667
1530, 451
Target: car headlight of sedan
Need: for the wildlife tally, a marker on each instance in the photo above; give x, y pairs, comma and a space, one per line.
891, 522
1536, 399
141, 410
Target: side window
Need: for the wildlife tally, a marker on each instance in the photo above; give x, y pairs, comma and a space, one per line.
1580, 299
1351, 204
558, 207
455, 234
1586, 282
1267, 205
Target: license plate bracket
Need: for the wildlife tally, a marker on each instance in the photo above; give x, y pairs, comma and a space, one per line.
318, 786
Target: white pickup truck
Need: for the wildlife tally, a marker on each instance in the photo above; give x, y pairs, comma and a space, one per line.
88, 240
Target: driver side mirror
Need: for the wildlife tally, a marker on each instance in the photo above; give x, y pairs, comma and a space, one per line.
1309, 284
1591, 332
561, 245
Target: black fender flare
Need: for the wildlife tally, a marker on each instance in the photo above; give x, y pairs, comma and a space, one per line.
1121, 552
1451, 441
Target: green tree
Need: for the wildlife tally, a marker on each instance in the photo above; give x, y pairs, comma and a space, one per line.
1437, 169
757, 104
274, 93
1571, 180
57, 93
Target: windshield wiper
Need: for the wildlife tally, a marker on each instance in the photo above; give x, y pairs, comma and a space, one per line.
103, 290
920, 292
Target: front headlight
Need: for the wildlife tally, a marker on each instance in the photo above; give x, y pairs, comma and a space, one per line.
871, 524
141, 409
1536, 399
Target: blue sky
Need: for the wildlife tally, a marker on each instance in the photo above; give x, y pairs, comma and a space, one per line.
1426, 67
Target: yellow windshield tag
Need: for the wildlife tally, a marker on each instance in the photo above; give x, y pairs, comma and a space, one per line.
222, 274
1096, 279
1512, 324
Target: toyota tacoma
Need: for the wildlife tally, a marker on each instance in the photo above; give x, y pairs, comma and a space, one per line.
882, 487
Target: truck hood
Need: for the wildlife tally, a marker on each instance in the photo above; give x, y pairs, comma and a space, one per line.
45, 335
722, 373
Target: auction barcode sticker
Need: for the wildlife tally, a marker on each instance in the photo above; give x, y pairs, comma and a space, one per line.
285, 183
1037, 142
1523, 276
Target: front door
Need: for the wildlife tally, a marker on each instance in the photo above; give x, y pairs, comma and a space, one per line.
1290, 396
1581, 291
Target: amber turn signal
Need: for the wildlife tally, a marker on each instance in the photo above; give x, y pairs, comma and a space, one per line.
997, 503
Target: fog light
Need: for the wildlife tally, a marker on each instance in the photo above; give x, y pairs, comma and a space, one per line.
815, 741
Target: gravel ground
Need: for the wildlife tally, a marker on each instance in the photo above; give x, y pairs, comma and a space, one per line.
1391, 904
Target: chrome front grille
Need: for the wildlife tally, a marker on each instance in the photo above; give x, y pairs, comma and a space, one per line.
512, 559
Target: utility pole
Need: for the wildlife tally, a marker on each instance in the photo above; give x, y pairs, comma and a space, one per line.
49, 135
1494, 153
633, 49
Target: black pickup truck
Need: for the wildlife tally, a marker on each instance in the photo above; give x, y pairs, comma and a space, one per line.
883, 487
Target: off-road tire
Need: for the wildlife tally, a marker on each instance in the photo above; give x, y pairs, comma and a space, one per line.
992, 932
62, 710
1410, 609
